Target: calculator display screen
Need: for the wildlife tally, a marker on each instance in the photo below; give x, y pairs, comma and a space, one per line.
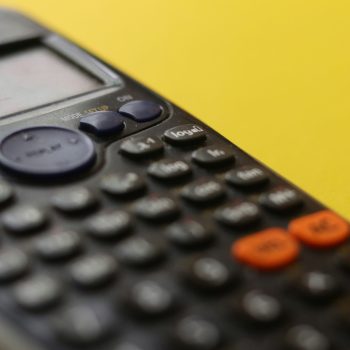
36, 76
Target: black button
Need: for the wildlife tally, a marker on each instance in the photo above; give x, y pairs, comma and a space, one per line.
73, 201
247, 176
47, 151
94, 270
306, 337
185, 134
209, 274
84, 325
139, 252
203, 191
258, 308
37, 293
23, 218
214, 155
281, 199
169, 169
13, 264
189, 233
6, 193
122, 184
315, 286
102, 123
238, 214
109, 225
156, 208
197, 333
58, 245
149, 299
141, 146
141, 110
129, 346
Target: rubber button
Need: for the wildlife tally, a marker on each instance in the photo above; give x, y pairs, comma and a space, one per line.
141, 110
320, 230
212, 156
141, 146
258, 308
184, 135
102, 123
270, 249
46, 151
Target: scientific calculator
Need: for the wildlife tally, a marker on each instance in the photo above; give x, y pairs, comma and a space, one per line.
128, 224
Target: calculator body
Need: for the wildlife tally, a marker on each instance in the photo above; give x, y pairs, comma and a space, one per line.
128, 224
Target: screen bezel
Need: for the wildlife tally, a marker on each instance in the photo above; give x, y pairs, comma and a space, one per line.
110, 80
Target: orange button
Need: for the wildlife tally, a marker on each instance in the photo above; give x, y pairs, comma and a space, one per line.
270, 249
321, 230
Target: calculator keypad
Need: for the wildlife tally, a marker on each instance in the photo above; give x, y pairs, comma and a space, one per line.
180, 241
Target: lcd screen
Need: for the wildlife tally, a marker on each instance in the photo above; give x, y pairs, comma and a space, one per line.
36, 76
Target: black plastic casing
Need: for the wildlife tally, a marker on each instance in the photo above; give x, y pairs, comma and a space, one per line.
29, 332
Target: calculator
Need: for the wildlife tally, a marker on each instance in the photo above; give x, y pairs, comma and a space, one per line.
128, 224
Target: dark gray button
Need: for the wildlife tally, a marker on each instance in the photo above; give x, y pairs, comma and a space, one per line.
259, 308
94, 271
238, 214
74, 200
185, 134
122, 184
102, 123
169, 169
195, 332
247, 176
84, 325
156, 207
203, 191
141, 146
58, 245
129, 346
149, 298
316, 286
37, 293
306, 337
46, 151
141, 110
208, 274
109, 225
189, 233
13, 264
214, 155
139, 252
23, 218
281, 199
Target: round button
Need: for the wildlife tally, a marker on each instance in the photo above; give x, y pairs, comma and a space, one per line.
46, 151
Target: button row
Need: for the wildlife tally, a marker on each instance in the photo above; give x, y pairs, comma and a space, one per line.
275, 248
109, 123
155, 207
25, 218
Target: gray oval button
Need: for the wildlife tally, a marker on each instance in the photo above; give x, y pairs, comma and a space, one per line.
46, 151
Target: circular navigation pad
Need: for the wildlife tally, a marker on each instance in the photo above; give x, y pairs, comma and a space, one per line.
46, 151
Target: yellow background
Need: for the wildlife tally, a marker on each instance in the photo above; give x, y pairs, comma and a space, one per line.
271, 75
